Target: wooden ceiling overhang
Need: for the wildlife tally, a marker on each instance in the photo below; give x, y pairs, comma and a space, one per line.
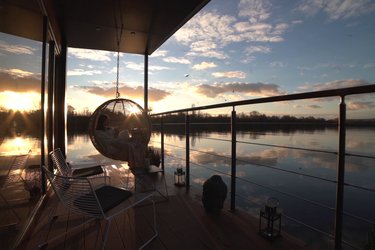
96, 24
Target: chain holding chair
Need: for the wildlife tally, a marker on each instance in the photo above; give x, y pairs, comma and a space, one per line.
96, 202
65, 168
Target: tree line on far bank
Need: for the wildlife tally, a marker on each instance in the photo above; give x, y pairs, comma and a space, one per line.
29, 122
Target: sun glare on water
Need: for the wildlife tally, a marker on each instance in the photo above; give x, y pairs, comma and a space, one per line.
16, 146
19, 101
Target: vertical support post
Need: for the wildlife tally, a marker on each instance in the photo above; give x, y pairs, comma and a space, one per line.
59, 118
42, 100
340, 175
145, 97
187, 134
49, 118
234, 159
162, 141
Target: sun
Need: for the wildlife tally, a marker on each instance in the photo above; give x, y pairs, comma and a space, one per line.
19, 101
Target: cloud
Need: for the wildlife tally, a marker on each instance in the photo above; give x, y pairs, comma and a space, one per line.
230, 74
204, 65
296, 22
130, 92
369, 65
22, 81
135, 66
337, 84
159, 53
16, 49
337, 10
81, 72
17, 73
334, 85
257, 49
176, 60
278, 64
253, 89
360, 105
209, 54
255, 10
208, 33
87, 54
314, 106
141, 67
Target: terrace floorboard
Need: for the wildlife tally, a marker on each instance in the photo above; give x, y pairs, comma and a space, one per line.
182, 224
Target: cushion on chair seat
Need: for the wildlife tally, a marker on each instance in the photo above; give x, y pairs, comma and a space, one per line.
110, 196
85, 172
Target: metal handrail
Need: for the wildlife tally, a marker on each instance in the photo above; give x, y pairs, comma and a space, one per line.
291, 97
342, 93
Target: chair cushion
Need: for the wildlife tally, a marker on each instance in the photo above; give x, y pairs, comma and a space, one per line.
110, 196
85, 172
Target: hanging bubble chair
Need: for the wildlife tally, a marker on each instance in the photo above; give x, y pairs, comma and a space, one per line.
120, 129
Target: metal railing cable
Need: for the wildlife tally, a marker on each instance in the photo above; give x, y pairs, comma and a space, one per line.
285, 170
360, 187
287, 147
292, 219
277, 169
257, 164
286, 194
362, 156
290, 147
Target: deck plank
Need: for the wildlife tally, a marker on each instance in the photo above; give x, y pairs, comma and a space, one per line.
181, 221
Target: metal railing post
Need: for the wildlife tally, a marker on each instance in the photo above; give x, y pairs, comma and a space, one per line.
233, 157
162, 142
340, 175
42, 100
187, 134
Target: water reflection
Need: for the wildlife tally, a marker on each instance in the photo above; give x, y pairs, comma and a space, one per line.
18, 145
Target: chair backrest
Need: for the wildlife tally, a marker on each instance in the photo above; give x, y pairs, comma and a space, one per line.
76, 194
59, 161
15, 170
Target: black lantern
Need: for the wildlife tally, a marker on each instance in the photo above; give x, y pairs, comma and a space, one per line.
179, 177
270, 227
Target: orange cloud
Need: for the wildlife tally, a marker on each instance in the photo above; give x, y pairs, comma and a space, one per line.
128, 92
256, 89
19, 83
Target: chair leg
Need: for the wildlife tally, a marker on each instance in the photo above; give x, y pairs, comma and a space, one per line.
155, 226
162, 179
12, 211
165, 185
107, 227
45, 244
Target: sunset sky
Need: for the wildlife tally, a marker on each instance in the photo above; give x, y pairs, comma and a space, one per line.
231, 50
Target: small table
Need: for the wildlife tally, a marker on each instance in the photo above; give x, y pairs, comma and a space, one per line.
146, 179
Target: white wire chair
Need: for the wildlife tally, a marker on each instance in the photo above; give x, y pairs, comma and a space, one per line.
65, 168
80, 195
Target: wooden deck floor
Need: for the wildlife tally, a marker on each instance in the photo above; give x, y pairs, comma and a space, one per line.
182, 224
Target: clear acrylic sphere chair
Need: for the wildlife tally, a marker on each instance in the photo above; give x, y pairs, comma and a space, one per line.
120, 129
